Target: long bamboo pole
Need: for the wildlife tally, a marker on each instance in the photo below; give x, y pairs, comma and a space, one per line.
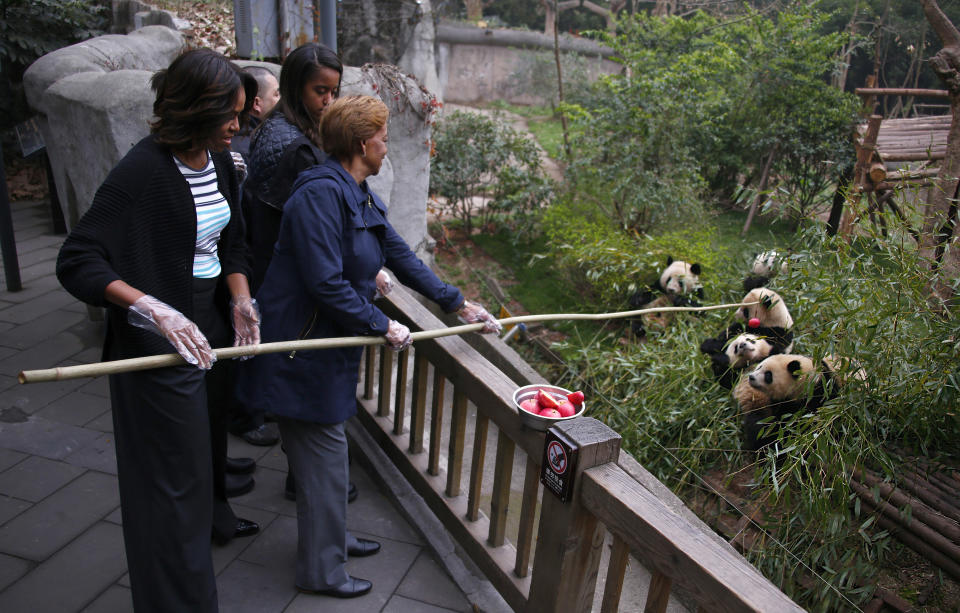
225, 353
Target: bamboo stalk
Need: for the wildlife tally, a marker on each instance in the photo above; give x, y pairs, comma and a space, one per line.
98, 369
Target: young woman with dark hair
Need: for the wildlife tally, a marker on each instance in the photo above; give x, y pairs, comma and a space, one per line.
162, 248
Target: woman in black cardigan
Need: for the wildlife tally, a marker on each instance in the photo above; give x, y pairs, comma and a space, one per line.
162, 248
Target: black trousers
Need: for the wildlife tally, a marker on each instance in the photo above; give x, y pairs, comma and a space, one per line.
170, 436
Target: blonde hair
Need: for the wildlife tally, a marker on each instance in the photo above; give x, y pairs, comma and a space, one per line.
348, 121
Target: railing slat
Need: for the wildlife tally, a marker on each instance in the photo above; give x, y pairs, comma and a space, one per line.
369, 368
613, 587
386, 371
436, 423
717, 578
418, 409
528, 513
458, 427
500, 503
400, 400
476, 466
658, 596
569, 538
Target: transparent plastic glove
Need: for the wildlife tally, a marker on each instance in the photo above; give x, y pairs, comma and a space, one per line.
164, 320
384, 284
398, 336
246, 322
240, 165
473, 313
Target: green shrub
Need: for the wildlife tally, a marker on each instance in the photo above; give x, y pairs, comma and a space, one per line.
484, 169
866, 302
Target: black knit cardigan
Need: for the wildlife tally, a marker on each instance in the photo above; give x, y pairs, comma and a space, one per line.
142, 228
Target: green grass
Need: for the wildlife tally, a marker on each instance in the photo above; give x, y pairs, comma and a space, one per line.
544, 124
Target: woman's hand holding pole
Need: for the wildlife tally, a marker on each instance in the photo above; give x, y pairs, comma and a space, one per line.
473, 313
245, 313
164, 320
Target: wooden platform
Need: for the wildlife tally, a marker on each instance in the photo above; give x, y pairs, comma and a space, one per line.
894, 151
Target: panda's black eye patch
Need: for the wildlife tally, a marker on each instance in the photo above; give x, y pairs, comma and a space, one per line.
768, 377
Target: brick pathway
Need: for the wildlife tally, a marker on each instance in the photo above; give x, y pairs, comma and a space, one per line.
61, 546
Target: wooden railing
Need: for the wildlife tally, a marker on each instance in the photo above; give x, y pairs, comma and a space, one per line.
421, 419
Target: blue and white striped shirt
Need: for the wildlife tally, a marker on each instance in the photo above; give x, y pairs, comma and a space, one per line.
213, 213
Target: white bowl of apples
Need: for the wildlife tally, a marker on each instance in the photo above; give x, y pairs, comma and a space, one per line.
542, 405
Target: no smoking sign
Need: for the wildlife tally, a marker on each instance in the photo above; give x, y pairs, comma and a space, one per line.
559, 464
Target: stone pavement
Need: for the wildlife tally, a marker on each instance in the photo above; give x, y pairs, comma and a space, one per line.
61, 546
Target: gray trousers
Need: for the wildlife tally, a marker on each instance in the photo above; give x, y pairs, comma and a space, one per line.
317, 454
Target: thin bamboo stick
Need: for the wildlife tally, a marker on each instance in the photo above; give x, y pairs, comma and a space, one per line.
98, 369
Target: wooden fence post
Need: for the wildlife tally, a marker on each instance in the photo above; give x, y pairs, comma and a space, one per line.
570, 539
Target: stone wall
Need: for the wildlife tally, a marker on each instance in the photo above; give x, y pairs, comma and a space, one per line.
94, 101
479, 65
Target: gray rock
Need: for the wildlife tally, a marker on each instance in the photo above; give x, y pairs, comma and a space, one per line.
412, 109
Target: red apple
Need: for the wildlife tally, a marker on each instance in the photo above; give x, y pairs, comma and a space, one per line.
546, 401
576, 398
553, 413
566, 408
530, 406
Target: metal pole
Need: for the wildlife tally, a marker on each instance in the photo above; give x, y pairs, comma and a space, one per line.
8, 244
328, 23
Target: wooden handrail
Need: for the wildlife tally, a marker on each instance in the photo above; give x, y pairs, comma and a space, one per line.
553, 564
719, 580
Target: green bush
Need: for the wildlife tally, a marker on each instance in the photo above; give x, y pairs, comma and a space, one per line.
866, 302
32, 28
484, 170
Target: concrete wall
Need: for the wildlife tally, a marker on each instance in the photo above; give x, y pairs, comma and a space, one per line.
476, 65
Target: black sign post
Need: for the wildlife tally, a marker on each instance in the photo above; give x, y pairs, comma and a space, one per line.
559, 464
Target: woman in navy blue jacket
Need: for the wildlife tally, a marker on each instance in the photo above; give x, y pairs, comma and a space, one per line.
321, 282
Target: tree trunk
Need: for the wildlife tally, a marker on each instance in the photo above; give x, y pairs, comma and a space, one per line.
940, 212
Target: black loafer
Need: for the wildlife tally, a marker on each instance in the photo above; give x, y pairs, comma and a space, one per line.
241, 466
245, 527
262, 435
363, 548
351, 589
238, 485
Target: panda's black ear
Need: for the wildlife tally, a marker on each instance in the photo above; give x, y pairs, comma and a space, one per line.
695, 269
795, 368
767, 302
669, 260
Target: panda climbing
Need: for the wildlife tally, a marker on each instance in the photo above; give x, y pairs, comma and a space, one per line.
765, 266
678, 285
768, 330
779, 386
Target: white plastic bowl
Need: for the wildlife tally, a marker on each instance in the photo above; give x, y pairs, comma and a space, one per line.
537, 422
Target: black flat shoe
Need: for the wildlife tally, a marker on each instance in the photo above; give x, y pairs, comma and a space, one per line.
351, 589
363, 548
241, 466
245, 527
238, 485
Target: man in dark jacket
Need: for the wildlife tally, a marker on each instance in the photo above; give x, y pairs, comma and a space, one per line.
268, 94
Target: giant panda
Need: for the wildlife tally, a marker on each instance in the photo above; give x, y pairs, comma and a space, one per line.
780, 385
763, 269
678, 285
775, 331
